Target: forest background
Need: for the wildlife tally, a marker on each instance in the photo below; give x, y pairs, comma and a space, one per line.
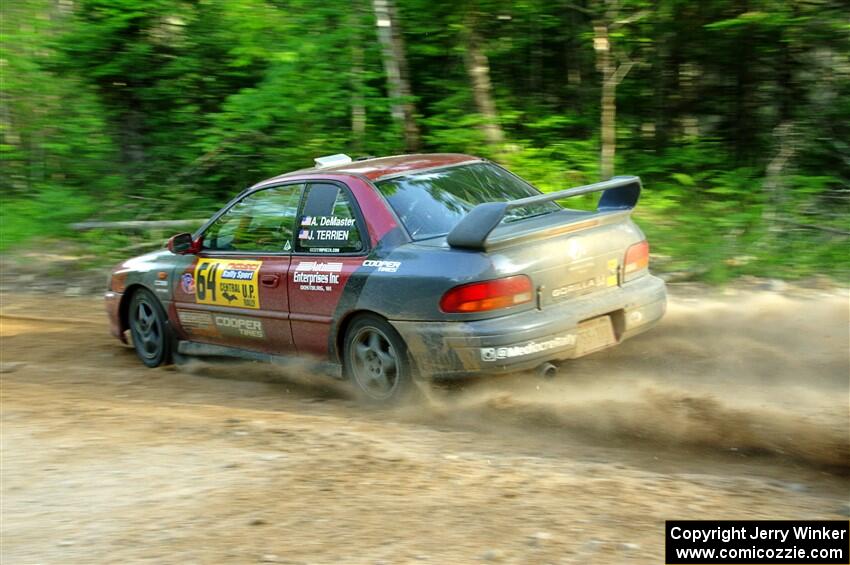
735, 113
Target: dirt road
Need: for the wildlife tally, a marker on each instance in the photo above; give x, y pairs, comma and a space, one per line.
735, 407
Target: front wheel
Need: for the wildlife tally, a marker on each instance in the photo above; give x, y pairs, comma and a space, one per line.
376, 361
148, 328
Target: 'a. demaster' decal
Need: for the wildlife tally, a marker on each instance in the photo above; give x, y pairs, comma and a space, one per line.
227, 282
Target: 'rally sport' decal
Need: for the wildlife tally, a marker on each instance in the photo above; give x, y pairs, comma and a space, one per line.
227, 283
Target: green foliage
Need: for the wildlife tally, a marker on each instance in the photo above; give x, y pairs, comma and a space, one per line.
46, 212
137, 109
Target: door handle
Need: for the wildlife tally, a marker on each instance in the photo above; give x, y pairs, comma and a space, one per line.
270, 280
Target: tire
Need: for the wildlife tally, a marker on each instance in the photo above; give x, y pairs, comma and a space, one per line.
149, 328
376, 361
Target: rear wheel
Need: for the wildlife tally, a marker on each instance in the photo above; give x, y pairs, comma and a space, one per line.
376, 361
148, 326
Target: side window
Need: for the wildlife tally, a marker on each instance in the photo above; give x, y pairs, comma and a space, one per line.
327, 222
262, 221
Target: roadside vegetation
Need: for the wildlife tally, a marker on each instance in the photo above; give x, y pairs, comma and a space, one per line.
735, 114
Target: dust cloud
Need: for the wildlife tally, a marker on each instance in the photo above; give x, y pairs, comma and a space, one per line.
299, 376
750, 373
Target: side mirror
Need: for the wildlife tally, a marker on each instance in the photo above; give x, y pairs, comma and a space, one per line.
183, 244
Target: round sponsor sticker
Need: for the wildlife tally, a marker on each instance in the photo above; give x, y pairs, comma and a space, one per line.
187, 283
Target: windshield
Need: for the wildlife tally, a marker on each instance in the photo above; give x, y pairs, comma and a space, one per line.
431, 203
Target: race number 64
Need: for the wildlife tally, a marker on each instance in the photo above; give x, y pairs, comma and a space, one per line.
205, 280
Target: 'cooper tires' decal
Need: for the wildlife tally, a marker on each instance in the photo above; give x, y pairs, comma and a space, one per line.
227, 283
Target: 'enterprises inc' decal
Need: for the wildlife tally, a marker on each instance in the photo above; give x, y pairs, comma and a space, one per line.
530, 348
227, 282
317, 275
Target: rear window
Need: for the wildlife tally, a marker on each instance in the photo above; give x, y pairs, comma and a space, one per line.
431, 203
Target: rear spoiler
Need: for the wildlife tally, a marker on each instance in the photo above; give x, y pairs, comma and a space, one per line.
620, 193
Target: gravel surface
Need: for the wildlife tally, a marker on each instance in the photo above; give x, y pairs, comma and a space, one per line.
735, 407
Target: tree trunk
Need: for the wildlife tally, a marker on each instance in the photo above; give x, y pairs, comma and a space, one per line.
358, 106
773, 186
688, 76
395, 67
131, 140
478, 69
745, 109
605, 66
667, 54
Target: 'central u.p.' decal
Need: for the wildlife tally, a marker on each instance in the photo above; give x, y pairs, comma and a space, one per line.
227, 282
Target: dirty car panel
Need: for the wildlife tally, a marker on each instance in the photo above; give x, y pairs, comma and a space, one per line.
475, 269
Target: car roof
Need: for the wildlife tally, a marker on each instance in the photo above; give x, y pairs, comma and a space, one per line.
381, 167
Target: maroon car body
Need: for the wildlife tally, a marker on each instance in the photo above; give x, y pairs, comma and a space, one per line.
438, 265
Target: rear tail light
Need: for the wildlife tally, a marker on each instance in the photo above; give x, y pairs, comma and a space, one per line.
488, 295
637, 261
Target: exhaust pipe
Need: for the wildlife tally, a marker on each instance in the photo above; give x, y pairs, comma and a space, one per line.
547, 371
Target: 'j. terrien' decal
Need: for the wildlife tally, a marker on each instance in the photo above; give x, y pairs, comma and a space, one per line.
317, 276
326, 234
227, 282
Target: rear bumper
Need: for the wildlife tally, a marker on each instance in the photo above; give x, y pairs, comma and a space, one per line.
524, 340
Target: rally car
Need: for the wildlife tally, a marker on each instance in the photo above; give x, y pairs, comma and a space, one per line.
395, 268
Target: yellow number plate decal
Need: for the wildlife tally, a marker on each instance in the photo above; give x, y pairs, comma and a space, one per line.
227, 283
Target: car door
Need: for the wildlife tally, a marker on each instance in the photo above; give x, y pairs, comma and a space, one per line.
330, 245
234, 292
